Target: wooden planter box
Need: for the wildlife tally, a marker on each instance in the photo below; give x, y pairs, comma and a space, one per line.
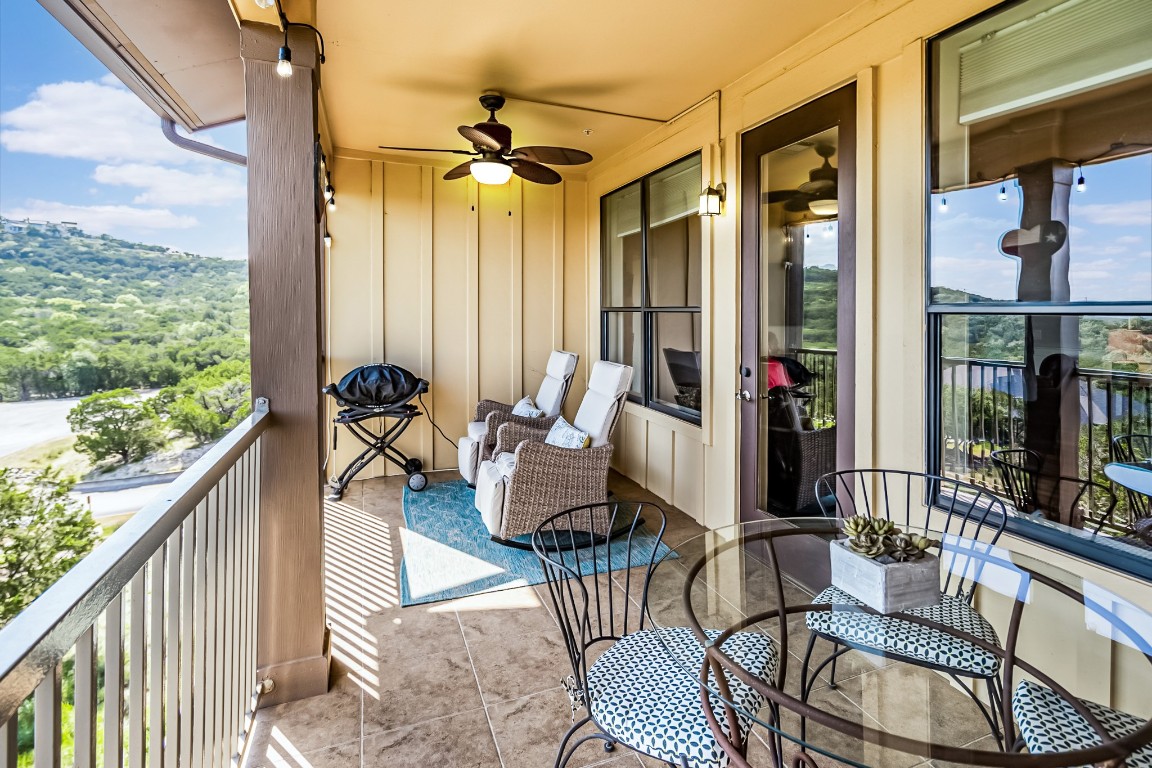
887, 587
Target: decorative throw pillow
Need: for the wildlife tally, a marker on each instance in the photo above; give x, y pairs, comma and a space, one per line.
527, 408
564, 435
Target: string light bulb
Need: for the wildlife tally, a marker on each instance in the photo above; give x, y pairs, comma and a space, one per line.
328, 191
327, 239
943, 205
284, 60
1003, 193
332, 203
1080, 184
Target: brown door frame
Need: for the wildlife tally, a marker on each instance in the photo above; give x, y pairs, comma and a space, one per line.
836, 109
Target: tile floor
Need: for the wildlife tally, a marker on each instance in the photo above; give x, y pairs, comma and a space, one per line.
475, 683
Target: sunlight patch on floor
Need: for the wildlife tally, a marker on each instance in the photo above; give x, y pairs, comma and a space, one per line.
446, 567
517, 597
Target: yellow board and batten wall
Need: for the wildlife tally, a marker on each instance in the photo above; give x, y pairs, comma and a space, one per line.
881, 47
468, 286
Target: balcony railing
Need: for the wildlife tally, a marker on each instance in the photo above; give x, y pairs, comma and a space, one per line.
983, 410
150, 641
822, 363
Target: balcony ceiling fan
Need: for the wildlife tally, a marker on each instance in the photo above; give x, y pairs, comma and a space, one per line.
818, 194
496, 161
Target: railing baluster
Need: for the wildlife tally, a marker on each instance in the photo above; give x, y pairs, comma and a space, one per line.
114, 683
46, 728
199, 631
224, 600
155, 676
173, 603
8, 742
84, 704
211, 592
187, 634
136, 664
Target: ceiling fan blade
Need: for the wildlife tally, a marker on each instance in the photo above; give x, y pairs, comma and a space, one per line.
459, 171
553, 155
479, 138
425, 149
817, 186
797, 204
779, 195
541, 174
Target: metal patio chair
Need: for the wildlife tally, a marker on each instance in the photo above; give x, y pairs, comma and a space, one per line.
1020, 472
916, 502
633, 690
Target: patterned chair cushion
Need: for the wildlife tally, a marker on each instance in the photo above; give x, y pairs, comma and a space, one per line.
651, 703
912, 641
1048, 723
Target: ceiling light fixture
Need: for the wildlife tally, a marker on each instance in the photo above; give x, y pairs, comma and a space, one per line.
828, 206
265, 3
490, 171
711, 200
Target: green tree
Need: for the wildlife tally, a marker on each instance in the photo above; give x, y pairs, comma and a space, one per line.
115, 423
43, 533
209, 403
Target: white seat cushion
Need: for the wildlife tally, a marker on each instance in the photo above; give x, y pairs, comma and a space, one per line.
1048, 723
468, 456
477, 429
891, 635
490, 496
650, 702
598, 410
561, 367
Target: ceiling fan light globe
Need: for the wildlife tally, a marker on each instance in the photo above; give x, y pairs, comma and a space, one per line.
490, 172
825, 207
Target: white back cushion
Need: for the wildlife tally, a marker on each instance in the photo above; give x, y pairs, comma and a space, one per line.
561, 367
597, 414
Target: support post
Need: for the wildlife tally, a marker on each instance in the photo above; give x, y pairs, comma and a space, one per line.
284, 257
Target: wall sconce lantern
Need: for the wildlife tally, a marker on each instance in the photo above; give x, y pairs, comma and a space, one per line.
711, 199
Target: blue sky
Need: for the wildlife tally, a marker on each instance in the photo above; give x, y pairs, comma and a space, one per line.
76, 145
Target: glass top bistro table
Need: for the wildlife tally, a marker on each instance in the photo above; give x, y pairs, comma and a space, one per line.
1059, 630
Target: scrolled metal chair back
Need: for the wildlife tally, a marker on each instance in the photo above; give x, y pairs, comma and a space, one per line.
970, 518
597, 598
1131, 449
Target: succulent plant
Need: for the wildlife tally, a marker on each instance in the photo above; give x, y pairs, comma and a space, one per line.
877, 537
857, 524
868, 544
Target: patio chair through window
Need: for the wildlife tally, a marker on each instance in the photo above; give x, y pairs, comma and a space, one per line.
1132, 449
1033, 492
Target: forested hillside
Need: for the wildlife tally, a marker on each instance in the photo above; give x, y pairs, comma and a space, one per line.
84, 314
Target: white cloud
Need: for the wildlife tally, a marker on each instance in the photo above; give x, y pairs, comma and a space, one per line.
1129, 240
1134, 213
171, 186
109, 219
88, 121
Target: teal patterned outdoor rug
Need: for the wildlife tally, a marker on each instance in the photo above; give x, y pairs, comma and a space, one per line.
448, 553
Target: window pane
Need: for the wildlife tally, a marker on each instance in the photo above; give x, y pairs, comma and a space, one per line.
624, 344
1015, 128
1053, 391
674, 235
677, 361
622, 248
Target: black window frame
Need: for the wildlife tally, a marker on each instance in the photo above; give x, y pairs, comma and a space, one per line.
1085, 547
648, 313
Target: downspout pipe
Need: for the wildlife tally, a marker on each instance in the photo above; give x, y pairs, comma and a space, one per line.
169, 128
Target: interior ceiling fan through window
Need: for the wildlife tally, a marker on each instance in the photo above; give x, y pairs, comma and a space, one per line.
818, 195
496, 161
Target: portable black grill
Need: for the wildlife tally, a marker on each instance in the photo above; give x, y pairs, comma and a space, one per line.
384, 392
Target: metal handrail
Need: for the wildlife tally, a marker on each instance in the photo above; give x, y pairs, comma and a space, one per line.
39, 637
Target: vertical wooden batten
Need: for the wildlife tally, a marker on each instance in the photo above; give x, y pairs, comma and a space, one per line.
284, 284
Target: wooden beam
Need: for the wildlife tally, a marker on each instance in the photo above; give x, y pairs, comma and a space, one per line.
284, 264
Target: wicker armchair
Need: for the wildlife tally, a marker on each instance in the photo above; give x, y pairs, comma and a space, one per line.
527, 480
476, 446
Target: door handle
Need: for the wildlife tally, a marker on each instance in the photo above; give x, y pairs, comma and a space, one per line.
744, 395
